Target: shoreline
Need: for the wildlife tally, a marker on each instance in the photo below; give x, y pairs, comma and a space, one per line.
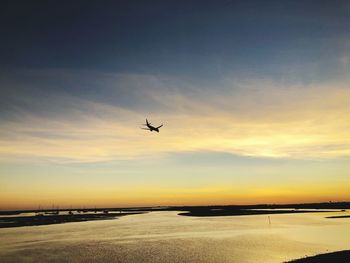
15, 218
49, 219
322, 206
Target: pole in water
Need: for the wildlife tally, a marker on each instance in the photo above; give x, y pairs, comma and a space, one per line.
269, 220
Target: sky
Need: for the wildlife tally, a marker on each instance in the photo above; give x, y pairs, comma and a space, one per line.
254, 97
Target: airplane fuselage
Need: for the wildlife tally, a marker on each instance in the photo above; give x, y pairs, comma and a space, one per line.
151, 128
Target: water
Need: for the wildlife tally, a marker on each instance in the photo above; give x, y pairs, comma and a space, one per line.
167, 237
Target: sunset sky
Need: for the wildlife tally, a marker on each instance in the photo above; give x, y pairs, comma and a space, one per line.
254, 97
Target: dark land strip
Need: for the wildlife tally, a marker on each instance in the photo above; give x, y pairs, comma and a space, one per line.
38, 220
344, 216
338, 257
242, 212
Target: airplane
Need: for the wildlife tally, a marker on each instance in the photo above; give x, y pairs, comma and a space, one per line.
150, 127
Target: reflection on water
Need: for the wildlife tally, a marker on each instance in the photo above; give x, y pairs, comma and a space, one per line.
167, 237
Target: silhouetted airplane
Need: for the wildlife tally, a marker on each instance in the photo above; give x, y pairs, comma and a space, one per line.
150, 127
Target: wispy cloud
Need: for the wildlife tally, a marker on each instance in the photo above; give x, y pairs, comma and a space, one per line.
254, 117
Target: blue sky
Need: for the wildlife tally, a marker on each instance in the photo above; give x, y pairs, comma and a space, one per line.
169, 37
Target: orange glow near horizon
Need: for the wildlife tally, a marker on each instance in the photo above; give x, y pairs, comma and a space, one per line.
175, 197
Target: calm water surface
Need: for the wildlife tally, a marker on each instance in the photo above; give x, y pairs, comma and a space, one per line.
167, 237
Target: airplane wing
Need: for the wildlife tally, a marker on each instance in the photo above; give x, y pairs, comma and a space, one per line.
160, 126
